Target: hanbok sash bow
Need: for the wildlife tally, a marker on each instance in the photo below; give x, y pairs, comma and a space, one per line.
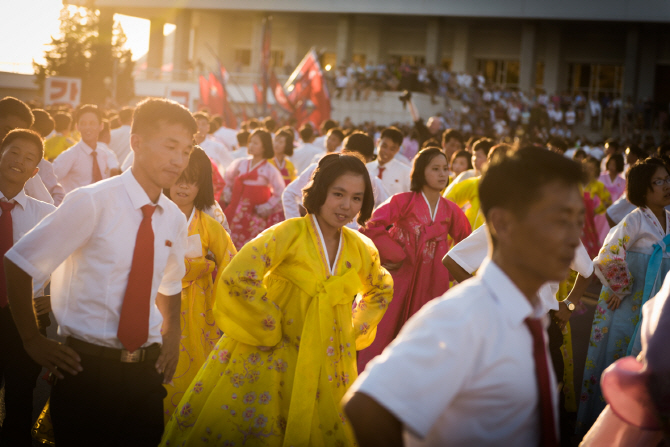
314, 342
650, 280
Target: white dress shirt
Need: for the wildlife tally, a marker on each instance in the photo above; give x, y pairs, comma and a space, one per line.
88, 244
27, 213
620, 209
471, 252
241, 152
227, 137
120, 142
217, 152
292, 196
35, 188
50, 181
395, 177
74, 167
303, 155
461, 372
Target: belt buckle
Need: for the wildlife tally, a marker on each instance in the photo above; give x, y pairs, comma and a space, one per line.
132, 357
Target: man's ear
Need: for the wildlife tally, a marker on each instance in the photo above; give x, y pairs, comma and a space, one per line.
501, 223
35, 172
135, 140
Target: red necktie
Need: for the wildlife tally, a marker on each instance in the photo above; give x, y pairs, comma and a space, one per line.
6, 242
97, 176
381, 172
547, 427
134, 321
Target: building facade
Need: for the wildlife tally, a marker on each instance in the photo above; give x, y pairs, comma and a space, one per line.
616, 47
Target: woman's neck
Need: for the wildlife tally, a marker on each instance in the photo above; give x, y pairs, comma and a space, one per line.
255, 160
329, 233
187, 210
659, 212
431, 194
279, 158
613, 176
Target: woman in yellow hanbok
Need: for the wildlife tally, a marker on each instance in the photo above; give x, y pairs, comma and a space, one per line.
209, 248
284, 303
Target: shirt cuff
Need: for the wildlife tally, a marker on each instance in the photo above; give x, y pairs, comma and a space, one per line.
21, 262
169, 289
458, 260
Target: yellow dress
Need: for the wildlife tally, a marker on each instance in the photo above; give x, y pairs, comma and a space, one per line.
199, 333
279, 292
597, 189
287, 171
55, 145
467, 193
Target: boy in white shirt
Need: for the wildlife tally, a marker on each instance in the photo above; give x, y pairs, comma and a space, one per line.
88, 161
20, 153
395, 176
116, 250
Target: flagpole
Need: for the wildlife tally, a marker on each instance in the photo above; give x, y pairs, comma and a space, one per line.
235, 84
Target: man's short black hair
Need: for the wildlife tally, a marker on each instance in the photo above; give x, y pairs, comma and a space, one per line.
151, 113
306, 132
639, 179
63, 121
394, 134
201, 116
514, 182
12, 106
558, 143
330, 168
421, 161
242, 138
25, 134
326, 125
126, 115
198, 172
43, 124
361, 143
452, 134
88, 108
270, 124
266, 141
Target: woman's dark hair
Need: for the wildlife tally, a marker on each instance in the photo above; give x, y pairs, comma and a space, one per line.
464, 154
618, 162
287, 133
266, 141
330, 168
421, 161
639, 179
198, 172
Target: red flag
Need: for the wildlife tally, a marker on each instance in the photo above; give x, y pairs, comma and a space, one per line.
279, 93
265, 59
308, 91
229, 117
258, 94
215, 95
204, 92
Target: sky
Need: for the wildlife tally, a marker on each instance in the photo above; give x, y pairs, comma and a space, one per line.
25, 33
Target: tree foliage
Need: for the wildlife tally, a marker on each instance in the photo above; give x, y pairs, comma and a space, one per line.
84, 49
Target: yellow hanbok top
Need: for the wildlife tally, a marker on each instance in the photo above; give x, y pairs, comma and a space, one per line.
466, 195
55, 145
199, 332
288, 172
597, 189
288, 353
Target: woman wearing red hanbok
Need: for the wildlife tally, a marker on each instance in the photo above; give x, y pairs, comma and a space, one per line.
253, 190
412, 249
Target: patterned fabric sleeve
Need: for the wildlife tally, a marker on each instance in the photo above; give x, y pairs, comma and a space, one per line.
376, 229
372, 302
219, 244
243, 311
610, 264
604, 196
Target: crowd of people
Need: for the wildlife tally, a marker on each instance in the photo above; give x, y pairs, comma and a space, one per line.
478, 106
340, 285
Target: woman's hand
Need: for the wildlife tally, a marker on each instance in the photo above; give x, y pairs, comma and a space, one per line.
613, 302
391, 266
42, 304
263, 210
266, 348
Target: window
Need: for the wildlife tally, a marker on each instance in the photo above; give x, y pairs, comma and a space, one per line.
328, 61
277, 58
243, 57
596, 80
500, 72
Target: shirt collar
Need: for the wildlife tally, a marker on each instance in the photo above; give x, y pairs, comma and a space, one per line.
86, 148
513, 305
21, 198
137, 195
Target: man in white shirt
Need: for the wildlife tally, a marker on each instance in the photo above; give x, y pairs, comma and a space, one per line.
88, 161
325, 127
214, 150
227, 137
395, 176
116, 250
302, 156
471, 368
480, 152
120, 137
357, 142
242, 140
334, 139
20, 153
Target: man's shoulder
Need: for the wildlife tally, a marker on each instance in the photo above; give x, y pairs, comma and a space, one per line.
42, 208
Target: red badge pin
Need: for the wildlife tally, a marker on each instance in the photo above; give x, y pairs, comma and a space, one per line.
168, 243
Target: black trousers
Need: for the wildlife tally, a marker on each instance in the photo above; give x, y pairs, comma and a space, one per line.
109, 403
20, 374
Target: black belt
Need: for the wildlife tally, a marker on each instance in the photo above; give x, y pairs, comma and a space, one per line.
148, 354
